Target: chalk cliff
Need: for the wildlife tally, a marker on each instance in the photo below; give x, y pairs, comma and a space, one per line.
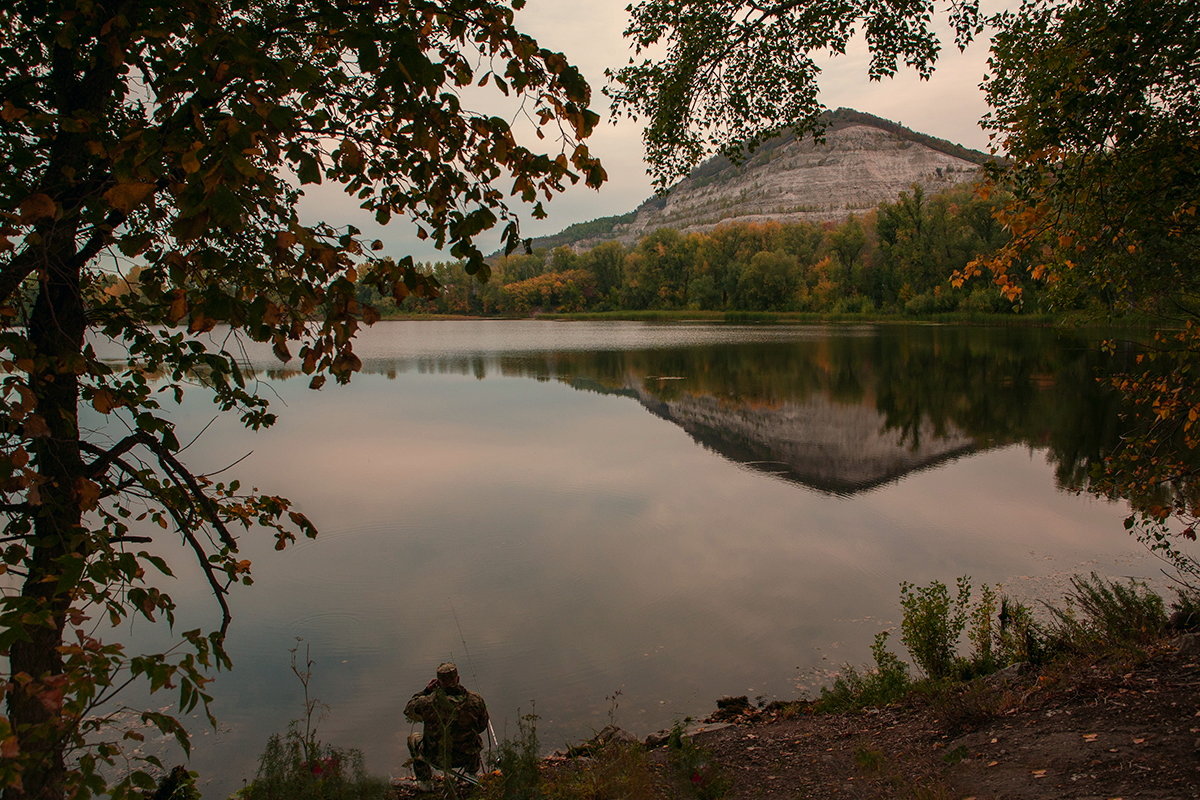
862, 161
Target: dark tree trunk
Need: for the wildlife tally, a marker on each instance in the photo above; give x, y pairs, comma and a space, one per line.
82, 81
56, 333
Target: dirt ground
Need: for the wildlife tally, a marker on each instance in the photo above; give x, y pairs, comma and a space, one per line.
1088, 731
1099, 730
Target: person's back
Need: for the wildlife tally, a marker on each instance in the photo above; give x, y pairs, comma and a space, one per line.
453, 719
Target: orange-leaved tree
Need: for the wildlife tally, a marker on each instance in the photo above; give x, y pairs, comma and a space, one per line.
1097, 104
154, 156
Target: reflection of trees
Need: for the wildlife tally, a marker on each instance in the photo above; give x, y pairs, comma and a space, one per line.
1039, 387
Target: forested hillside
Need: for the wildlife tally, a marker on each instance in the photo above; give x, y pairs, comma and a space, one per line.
895, 259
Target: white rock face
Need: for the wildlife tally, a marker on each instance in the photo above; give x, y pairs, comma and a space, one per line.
853, 171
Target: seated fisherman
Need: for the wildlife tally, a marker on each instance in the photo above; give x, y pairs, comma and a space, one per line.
453, 721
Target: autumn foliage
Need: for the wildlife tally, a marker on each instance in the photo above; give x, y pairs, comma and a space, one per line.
155, 155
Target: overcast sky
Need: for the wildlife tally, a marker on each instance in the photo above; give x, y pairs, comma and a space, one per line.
948, 106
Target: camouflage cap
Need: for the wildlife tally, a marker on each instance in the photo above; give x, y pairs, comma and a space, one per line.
447, 668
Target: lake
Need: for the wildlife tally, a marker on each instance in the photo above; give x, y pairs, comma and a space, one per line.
626, 520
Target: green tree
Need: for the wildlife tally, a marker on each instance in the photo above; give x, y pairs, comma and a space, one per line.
768, 283
605, 262
847, 242
175, 138
659, 270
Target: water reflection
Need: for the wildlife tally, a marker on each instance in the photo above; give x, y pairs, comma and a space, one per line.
839, 410
499, 489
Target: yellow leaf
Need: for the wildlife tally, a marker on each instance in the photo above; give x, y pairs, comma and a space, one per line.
189, 162
104, 401
38, 207
9, 112
125, 197
178, 307
352, 157
200, 323
273, 314
1038, 773
36, 427
10, 748
88, 493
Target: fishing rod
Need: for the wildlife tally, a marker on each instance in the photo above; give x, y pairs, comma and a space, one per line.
494, 742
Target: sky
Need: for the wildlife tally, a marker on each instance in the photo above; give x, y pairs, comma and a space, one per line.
949, 106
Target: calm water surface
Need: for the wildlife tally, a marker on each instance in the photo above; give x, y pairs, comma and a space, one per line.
662, 514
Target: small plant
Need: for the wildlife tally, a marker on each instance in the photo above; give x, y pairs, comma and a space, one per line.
693, 766
178, 784
957, 755
982, 632
617, 769
964, 706
1020, 637
868, 760
298, 766
853, 690
285, 772
933, 623
1185, 610
518, 774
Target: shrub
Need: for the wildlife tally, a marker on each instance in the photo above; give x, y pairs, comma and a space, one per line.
933, 623
298, 766
178, 784
1185, 610
291, 768
617, 770
1020, 638
983, 633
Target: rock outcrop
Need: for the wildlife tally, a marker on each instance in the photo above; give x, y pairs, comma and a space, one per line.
853, 171
863, 161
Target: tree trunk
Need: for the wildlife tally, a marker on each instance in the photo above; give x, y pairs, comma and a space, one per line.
56, 332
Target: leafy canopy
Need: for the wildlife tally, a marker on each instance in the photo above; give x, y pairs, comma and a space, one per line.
1098, 106
734, 72
155, 154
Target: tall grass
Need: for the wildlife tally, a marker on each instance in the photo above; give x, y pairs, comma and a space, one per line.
1101, 614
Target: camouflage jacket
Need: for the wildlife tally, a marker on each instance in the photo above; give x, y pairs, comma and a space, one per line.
456, 714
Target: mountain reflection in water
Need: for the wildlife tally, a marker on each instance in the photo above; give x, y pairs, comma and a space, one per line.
840, 410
